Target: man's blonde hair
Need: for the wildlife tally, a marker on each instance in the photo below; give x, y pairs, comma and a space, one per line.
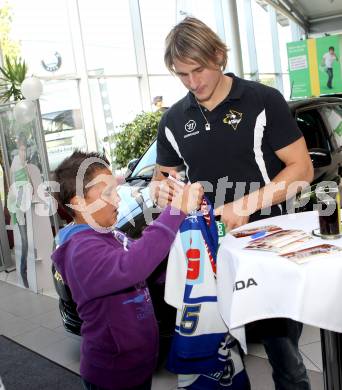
191, 39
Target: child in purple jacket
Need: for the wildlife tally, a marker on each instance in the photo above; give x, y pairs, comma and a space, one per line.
106, 272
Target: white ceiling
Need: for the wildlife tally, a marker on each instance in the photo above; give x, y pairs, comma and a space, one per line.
314, 16
315, 9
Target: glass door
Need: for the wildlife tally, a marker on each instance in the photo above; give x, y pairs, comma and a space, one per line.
6, 261
26, 203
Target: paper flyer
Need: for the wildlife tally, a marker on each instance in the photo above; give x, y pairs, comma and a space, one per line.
304, 255
280, 242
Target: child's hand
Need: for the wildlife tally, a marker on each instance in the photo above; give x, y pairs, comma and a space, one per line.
188, 198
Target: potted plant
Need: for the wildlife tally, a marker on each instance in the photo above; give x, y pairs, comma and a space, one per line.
13, 73
134, 138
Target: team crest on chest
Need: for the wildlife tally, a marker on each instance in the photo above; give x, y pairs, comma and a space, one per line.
233, 118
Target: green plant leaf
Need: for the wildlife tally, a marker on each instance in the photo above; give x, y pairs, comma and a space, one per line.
135, 137
14, 73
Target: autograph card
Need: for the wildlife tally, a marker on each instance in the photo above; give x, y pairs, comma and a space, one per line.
304, 255
252, 231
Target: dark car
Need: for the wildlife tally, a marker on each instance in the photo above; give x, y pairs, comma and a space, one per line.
320, 121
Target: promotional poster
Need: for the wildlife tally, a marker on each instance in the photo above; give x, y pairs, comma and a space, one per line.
315, 66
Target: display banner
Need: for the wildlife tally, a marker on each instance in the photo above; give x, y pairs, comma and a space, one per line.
299, 68
329, 64
315, 67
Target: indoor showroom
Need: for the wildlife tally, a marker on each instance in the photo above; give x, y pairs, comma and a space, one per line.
170, 194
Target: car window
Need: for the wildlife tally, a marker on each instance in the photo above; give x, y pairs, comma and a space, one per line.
333, 115
311, 124
146, 164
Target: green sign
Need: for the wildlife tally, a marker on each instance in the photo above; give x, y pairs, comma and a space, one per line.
299, 69
315, 66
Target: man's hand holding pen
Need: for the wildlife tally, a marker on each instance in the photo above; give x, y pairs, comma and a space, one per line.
172, 191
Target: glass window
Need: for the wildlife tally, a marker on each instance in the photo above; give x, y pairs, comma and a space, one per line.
169, 87
108, 38
157, 17
287, 86
115, 101
333, 114
285, 36
243, 39
147, 163
313, 129
263, 38
200, 9
2, 183
268, 79
62, 120
122, 94
44, 34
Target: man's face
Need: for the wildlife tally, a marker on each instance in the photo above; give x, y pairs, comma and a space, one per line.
103, 197
331, 51
201, 81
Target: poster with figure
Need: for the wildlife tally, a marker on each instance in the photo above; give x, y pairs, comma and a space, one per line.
329, 63
28, 203
19, 205
315, 66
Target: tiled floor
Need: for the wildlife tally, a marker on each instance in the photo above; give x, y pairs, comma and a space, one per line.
34, 321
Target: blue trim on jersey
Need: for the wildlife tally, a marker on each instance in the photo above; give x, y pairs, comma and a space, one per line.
198, 355
218, 381
205, 298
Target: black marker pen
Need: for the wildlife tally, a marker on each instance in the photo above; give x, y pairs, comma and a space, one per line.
167, 175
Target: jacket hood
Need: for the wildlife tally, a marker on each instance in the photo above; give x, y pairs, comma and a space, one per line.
62, 239
68, 231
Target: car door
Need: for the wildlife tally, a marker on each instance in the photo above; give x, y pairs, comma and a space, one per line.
318, 141
332, 115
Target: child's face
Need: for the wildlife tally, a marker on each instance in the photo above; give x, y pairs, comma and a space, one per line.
101, 200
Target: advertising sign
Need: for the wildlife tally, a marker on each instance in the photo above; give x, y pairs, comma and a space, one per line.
315, 67
299, 68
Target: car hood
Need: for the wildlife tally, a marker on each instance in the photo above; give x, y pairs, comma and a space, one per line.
134, 196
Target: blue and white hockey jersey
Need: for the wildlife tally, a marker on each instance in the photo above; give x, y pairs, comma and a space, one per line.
203, 352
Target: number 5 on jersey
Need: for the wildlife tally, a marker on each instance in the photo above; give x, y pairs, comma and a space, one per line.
189, 319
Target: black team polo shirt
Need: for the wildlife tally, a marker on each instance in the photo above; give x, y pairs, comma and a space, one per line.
237, 155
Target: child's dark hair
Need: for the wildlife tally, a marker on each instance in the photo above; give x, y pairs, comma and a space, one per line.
66, 173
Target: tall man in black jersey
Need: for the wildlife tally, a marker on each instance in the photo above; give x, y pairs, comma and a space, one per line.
239, 139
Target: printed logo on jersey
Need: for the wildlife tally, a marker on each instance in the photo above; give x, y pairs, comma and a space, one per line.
190, 127
233, 118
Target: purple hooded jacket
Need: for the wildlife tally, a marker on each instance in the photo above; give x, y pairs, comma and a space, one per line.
107, 280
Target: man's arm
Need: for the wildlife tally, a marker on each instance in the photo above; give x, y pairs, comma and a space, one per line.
298, 167
162, 193
323, 60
